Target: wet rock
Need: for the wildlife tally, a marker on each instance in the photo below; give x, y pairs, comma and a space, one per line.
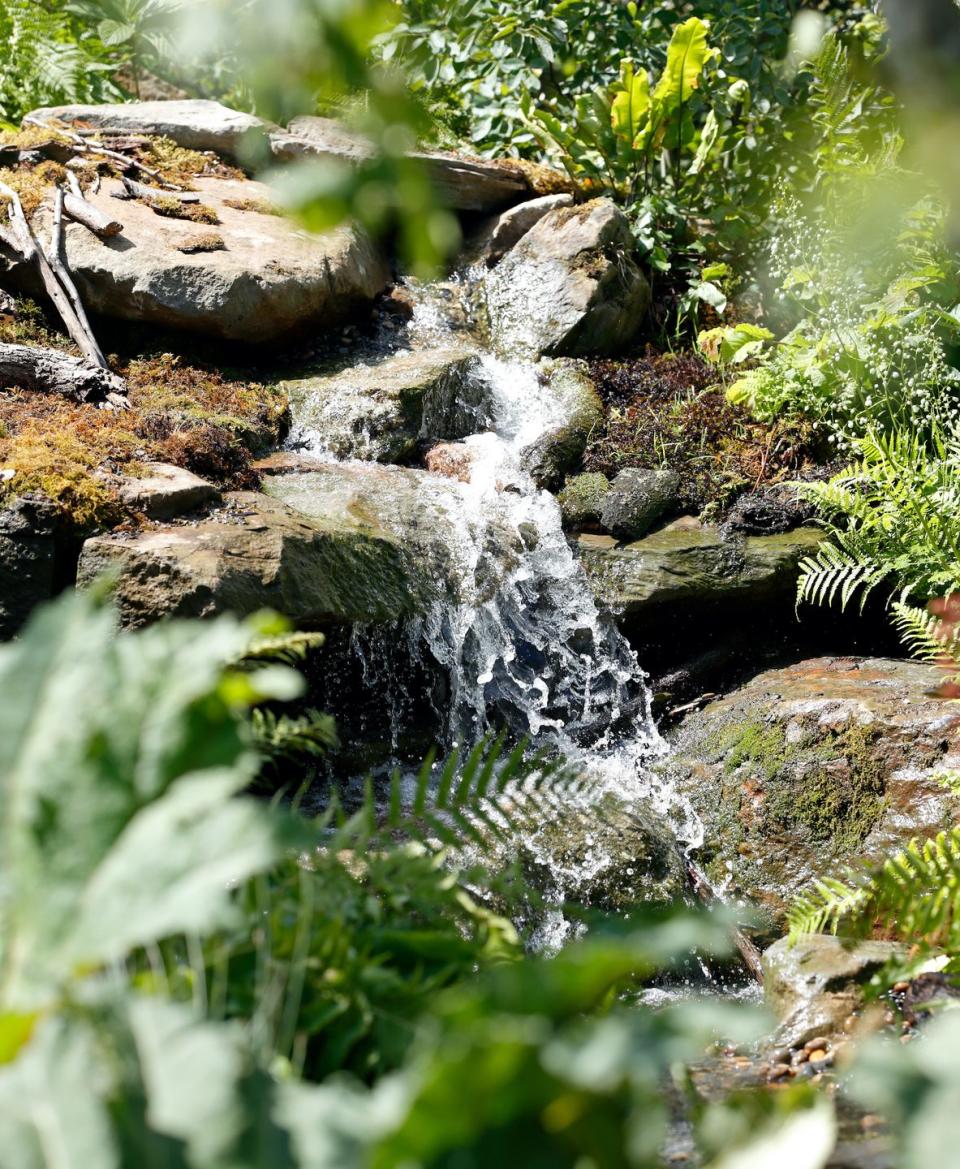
572, 398
293, 462
571, 286
258, 553
465, 184
27, 560
194, 123
451, 459
637, 499
269, 280
608, 857
769, 511
496, 237
811, 768
166, 491
379, 411
689, 563
813, 984
581, 501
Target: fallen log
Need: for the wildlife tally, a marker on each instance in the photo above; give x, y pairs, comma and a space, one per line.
92, 218
53, 372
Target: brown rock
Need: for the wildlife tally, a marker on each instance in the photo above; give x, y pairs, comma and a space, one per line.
452, 459
166, 491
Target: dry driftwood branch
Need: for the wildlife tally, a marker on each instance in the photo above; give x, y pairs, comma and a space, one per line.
58, 373
56, 280
135, 190
707, 894
86, 147
92, 218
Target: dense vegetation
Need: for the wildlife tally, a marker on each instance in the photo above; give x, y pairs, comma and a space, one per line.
192, 976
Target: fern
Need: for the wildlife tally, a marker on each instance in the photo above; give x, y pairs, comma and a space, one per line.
289, 649
924, 636
282, 737
914, 895
892, 516
43, 63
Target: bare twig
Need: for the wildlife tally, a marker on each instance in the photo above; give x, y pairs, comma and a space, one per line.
78, 209
707, 894
59, 287
135, 190
86, 147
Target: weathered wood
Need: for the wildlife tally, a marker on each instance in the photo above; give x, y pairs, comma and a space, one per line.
135, 190
64, 295
707, 894
56, 261
92, 218
86, 147
53, 372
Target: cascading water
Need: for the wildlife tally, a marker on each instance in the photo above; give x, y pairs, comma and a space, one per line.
519, 635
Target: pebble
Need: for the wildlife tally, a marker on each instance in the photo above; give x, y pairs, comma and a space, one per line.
821, 1043
779, 1071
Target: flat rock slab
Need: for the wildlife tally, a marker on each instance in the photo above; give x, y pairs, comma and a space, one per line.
269, 280
466, 184
166, 491
571, 286
687, 562
808, 769
380, 411
259, 553
195, 123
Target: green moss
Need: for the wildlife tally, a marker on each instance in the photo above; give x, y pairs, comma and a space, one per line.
581, 500
830, 789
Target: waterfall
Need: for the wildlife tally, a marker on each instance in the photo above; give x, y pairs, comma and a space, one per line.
519, 635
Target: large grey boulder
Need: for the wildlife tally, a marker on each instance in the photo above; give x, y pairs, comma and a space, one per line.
379, 411
813, 984
811, 768
637, 499
268, 280
341, 567
689, 563
195, 123
27, 560
497, 235
571, 286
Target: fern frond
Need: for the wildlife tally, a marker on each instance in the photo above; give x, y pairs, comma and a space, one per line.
281, 736
472, 799
914, 895
922, 635
285, 648
825, 906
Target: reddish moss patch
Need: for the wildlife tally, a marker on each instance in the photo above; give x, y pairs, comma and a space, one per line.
663, 410
190, 415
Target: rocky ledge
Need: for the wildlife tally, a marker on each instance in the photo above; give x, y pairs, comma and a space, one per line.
810, 768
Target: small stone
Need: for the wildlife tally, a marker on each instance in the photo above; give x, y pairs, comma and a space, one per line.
819, 1056
454, 460
813, 1044
637, 499
901, 987
779, 1071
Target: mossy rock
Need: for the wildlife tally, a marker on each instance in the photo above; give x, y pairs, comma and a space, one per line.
812, 768
581, 501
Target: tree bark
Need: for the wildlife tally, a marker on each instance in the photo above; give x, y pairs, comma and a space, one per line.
53, 372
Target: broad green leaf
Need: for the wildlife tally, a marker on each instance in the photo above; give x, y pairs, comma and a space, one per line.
710, 294
629, 113
52, 1111
733, 344
115, 32
708, 139
108, 836
687, 55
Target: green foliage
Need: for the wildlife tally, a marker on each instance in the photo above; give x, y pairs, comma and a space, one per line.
914, 895
894, 517
135, 32
45, 62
